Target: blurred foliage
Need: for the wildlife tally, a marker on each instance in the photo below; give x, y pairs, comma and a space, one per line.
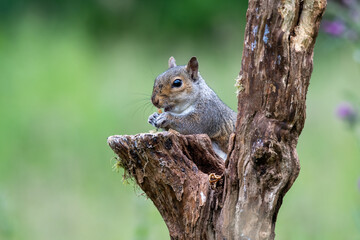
151, 19
342, 20
75, 72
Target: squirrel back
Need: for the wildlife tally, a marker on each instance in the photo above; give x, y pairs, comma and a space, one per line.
191, 106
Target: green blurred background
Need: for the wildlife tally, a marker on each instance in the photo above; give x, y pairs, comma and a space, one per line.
73, 73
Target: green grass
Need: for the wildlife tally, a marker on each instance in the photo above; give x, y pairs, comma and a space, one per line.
62, 94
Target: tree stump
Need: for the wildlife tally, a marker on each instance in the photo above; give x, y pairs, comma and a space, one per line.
199, 195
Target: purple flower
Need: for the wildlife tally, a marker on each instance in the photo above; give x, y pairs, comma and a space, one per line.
348, 2
347, 112
344, 2
335, 28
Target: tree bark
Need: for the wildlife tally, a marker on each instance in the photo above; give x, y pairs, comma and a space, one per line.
175, 171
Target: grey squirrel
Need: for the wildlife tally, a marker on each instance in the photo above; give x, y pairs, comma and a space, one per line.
191, 106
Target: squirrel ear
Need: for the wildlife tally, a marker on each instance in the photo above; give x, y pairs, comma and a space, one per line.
171, 62
193, 67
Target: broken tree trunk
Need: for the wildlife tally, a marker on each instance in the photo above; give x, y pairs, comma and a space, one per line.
178, 172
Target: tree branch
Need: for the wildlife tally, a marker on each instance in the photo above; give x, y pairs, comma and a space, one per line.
172, 169
275, 74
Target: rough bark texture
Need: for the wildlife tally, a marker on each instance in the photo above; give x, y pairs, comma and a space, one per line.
173, 169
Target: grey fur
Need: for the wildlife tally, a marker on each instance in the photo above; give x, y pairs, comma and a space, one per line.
207, 114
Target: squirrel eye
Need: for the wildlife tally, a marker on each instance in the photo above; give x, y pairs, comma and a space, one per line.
177, 83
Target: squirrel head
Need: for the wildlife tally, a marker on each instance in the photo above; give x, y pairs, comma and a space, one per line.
177, 88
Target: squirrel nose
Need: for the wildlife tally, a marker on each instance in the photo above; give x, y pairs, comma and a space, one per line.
155, 100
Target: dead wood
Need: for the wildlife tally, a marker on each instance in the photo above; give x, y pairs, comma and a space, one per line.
173, 170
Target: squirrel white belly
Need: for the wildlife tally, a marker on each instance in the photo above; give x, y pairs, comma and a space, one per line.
191, 106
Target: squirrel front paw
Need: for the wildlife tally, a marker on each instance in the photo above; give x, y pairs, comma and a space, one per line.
152, 118
158, 120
